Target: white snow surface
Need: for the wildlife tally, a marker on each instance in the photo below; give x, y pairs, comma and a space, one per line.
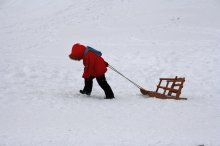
40, 103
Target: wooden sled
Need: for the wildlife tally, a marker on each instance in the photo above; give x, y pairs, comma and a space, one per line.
172, 86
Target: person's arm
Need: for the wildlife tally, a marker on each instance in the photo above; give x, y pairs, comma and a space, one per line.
88, 67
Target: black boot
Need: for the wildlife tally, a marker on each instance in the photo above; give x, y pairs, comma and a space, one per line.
88, 87
109, 97
84, 92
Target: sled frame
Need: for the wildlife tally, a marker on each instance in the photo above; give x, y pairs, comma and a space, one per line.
170, 90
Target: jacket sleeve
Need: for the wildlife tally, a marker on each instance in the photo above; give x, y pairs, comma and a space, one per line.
88, 67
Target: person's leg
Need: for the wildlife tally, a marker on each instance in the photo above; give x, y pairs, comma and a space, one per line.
88, 86
105, 86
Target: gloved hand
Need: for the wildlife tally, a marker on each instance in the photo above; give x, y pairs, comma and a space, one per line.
106, 64
70, 57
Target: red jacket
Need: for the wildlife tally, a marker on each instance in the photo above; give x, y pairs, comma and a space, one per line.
94, 65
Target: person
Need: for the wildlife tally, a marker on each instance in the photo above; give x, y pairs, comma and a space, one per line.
94, 67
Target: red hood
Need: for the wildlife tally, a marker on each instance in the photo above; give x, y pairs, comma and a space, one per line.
77, 51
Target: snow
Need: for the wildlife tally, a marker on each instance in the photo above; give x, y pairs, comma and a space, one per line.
40, 103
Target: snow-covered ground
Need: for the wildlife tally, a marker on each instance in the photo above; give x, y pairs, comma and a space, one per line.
144, 39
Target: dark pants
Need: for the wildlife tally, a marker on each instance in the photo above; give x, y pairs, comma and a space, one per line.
102, 83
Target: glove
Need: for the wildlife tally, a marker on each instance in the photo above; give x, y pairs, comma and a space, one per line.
70, 56
106, 64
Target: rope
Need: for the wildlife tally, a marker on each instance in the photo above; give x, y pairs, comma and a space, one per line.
125, 77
